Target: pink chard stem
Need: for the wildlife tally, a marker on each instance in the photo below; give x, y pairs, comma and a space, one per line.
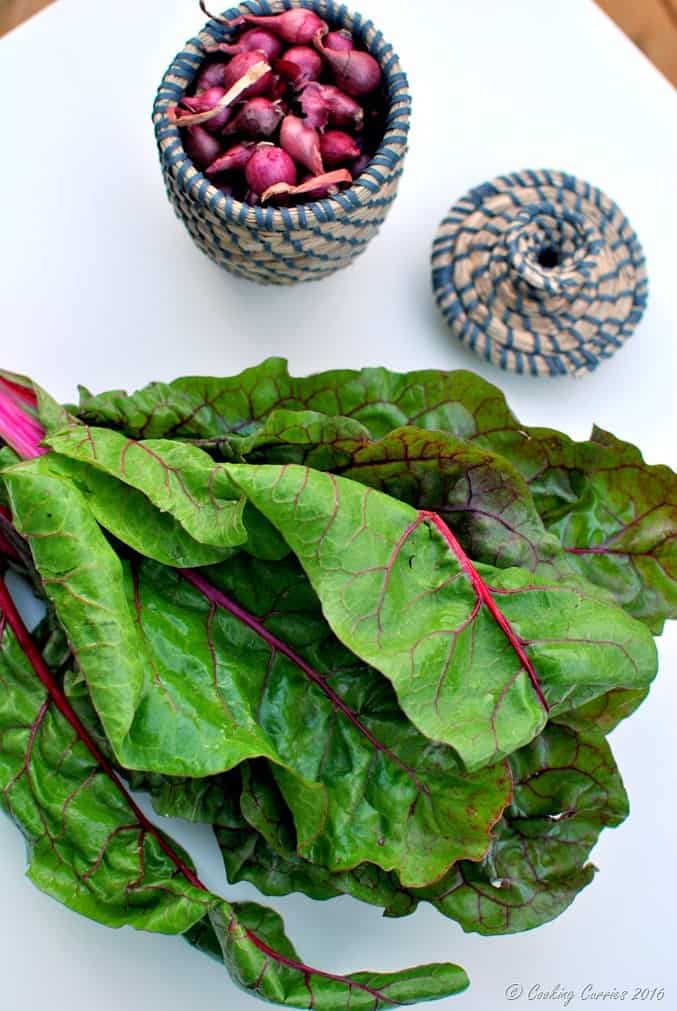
19, 427
485, 597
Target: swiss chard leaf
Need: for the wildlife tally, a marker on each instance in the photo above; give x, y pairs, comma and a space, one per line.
199, 687
163, 710
478, 493
261, 848
605, 712
113, 870
260, 957
321, 439
92, 848
608, 505
268, 856
392, 797
567, 789
615, 515
210, 800
202, 407
478, 676
133, 519
177, 479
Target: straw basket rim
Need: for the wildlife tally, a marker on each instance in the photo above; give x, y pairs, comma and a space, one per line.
362, 194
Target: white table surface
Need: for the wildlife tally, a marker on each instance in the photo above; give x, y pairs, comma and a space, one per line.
101, 285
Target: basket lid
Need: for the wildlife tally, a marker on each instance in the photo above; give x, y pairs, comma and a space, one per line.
540, 273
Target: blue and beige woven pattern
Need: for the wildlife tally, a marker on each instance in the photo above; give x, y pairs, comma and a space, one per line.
278, 245
540, 273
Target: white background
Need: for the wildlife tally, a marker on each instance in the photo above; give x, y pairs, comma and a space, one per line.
101, 285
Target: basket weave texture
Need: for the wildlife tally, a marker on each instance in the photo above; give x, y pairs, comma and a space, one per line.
280, 245
540, 272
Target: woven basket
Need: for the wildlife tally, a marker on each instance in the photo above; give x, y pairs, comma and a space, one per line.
279, 245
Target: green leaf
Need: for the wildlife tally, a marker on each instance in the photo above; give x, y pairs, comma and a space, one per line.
86, 847
605, 712
163, 709
91, 847
196, 690
264, 851
204, 407
322, 438
262, 847
478, 493
588, 480
482, 497
212, 800
615, 515
567, 789
477, 676
392, 797
133, 519
249, 934
178, 479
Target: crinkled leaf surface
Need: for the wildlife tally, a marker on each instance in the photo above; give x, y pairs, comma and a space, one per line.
187, 688
567, 789
178, 479
86, 847
615, 515
397, 588
249, 934
203, 407
392, 797
262, 847
605, 712
478, 493
321, 439
586, 483
92, 848
209, 800
142, 637
267, 856
133, 519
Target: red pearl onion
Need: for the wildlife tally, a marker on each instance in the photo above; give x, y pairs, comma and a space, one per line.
210, 76
315, 108
355, 72
254, 74
300, 64
297, 26
252, 40
233, 160
302, 142
325, 103
239, 66
268, 166
340, 41
338, 148
203, 103
259, 117
200, 146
